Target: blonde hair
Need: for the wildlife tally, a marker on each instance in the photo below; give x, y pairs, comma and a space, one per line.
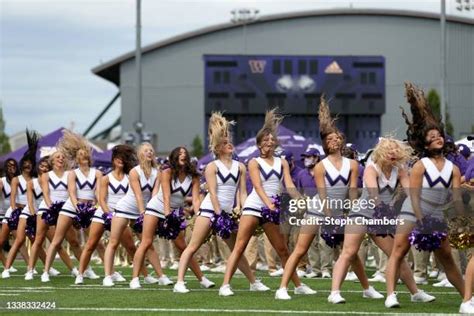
273, 119
71, 143
144, 165
219, 128
53, 155
327, 124
405, 152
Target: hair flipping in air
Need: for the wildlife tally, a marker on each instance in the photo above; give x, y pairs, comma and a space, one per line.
219, 129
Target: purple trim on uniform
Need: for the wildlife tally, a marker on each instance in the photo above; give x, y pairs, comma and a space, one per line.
251, 209
180, 189
438, 180
154, 211
68, 211
388, 188
81, 186
147, 186
5, 193
127, 213
23, 191
267, 176
117, 189
37, 196
56, 186
333, 182
229, 176
205, 210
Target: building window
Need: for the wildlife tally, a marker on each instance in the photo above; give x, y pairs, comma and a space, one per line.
363, 78
288, 67
217, 77
245, 105
302, 67
226, 77
313, 67
276, 67
371, 77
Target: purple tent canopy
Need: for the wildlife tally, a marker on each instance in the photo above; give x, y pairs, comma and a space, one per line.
99, 156
288, 139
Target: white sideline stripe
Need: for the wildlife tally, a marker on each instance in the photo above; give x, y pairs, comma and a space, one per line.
215, 310
23, 291
5, 294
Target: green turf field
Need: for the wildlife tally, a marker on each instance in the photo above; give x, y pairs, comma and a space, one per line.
91, 298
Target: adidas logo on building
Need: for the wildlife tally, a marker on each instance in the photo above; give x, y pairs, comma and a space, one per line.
333, 68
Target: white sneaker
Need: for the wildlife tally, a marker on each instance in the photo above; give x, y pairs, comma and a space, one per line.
466, 308
433, 274
443, 283
12, 269
79, 280
150, 280
107, 281
336, 298
441, 276
225, 290
311, 275
304, 289
378, 278
258, 286
53, 272
74, 272
175, 266
282, 294
204, 268
300, 273
135, 283
371, 293
45, 277
34, 271
206, 283
117, 277
180, 287
90, 274
391, 301
262, 267
29, 275
420, 280
164, 280
351, 276
5, 274
219, 269
326, 275
422, 297
277, 273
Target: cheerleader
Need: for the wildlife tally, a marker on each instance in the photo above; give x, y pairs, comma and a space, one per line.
143, 181
431, 181
176, 183
11, 171
82, 188
223, 177
113, 187
335, 177
381, 178
266, 173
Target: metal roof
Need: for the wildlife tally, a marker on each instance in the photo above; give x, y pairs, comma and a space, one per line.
110, 69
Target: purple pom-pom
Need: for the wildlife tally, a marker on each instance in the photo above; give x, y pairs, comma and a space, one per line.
382, 211
223, 225
333, 234
31, 226
428, 235
138, 225
172, 225
107, 217
14, 219
50, 216
269, 216
85, 212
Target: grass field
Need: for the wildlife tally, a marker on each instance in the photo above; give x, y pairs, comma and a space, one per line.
92, 298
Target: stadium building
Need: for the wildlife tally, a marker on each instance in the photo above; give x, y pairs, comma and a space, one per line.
359, 58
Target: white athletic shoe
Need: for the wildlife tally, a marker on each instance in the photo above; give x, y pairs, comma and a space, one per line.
74, 272
79, 280
443, 283
12, 269
282, 294
304, 289
371, 293
351, 276
34, 271
336, 298
107, 281
420, 280
441, 276
311, 275
45, 277
5, 274
277, 273
29, 275
150, 280
219, 269
391, 301
164, 280
225, 290
135, 283
204, 268
180, 287
206, 283
258, 286
378, 277
53, 272
90, 274
300, 273
326, 275
433, 274
117, 277
466, 308
174, 266
422, 297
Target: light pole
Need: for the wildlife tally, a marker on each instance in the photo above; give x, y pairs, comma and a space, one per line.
138, 60
443, 62
244, 16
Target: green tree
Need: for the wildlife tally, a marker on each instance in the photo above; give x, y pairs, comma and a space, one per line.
435, 104
4, 139
197, 147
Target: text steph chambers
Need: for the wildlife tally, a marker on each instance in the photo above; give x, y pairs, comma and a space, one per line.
312, 220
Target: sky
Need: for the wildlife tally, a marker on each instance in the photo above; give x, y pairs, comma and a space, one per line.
48, 48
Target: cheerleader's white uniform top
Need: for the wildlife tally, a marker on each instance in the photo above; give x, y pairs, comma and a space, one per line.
6, 210
37, 195
127, 206
270, 177
435, 193
337, 186
227, 184
115, 191
57, 190
179, 191
386, 188
85, 190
